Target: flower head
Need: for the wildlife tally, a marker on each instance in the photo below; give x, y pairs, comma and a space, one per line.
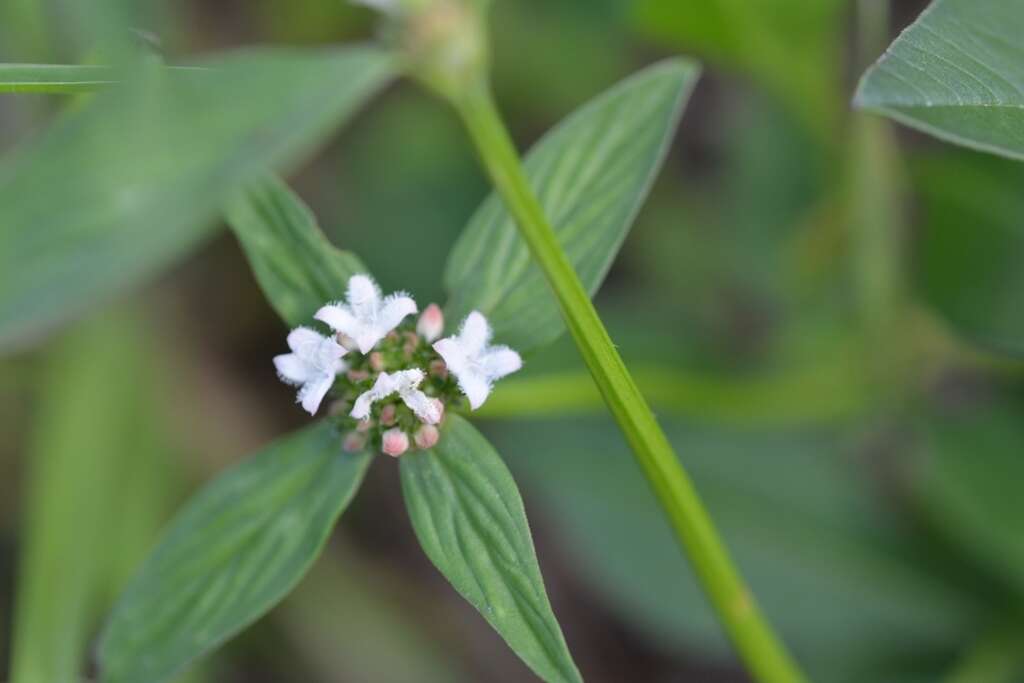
313, 364
405, 383
476, 364
366, 316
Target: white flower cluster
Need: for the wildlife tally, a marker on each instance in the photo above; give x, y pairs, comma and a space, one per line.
360, 323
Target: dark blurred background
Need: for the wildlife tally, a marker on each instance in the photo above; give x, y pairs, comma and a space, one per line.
789, 299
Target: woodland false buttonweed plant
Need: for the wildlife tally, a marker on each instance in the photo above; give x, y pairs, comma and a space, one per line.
393, 387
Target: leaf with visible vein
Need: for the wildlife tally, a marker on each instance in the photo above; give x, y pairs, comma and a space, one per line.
238, 547
591, 174
298, 269
956, 73
469, 518
137, 176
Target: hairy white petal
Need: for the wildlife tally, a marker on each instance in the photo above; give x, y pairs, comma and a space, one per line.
474, 334
302, 338
422, 405
453, 354
313, 392
500, 361
292, 369
394, 309
363, 296
476, 387
338, 318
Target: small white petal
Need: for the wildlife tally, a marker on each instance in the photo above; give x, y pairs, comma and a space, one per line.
363, 296
423, 406
291, 369
474, 334
313, 392
500, 361
338, 318
394, 310
302, 338
475, 387
454, 357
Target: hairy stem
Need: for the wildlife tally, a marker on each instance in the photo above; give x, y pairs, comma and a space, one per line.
761, 651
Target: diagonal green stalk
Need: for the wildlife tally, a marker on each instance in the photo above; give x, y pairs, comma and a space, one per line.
761, 651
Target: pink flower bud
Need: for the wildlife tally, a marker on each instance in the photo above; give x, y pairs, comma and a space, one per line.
438, 369
431, 323
356, 376
377, 361
426, 437
387, 415
394, 442
354, 442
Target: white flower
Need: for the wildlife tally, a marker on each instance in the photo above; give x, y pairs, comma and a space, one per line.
366, 317
477, 365
314, 362
404, 383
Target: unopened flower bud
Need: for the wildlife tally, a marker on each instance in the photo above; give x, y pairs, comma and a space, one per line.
394, 442
356, 376
377, 361
387, 415
438, 369
364, 425
431, 323
392, 336
426, 437
354, 442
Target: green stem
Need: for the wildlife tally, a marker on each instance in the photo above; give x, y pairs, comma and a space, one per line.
762, 652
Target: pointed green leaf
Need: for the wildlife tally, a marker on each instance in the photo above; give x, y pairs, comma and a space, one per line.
298, 269
230, 555
470, 520
591, 174
125, 184
956, 73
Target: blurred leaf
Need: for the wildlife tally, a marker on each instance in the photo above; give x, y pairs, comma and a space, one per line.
238, 547
801, 524
354, 620
297, 268
60, 78
95, 423
956, 73
142, 170
971, 247
758, 38
591, 174
970, 482
470, 520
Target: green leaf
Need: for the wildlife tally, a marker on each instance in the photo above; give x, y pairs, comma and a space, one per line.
956, 73
969, 262
970, 481
95, 415
803, 527
60, 78
591, 174
470, 520
238, 547
142, 170
298, 269
756, 38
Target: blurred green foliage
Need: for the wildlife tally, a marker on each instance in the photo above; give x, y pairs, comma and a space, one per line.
881, 533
